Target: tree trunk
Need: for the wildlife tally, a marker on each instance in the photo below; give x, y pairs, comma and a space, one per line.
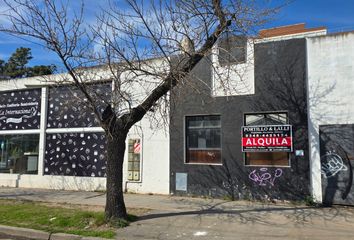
115, 206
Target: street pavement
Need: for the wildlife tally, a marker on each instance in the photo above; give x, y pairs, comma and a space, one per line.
9, 237
171, 217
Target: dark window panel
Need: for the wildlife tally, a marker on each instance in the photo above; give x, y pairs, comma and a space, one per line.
204, 156
19, 154
203, 139
20, 109
67, 108
232, 50
75, 154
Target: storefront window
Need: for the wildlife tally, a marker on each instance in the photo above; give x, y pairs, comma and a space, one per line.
203, 139
19, 154
266, 158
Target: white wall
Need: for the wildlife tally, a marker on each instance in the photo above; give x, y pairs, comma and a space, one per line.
234, 79
292, 36
11, 84
155, 160
330, 91
238, 79
152, 130
53, 182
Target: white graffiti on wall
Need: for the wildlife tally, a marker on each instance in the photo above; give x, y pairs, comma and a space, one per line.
265, 177
331, 164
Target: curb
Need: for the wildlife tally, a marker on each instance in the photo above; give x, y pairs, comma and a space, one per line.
41, 235
24, 232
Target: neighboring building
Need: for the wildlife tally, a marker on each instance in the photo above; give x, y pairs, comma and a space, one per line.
206, 157
289, 76
291, 84
50, 139
331, 116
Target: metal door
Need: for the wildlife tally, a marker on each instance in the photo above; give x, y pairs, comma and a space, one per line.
337, 162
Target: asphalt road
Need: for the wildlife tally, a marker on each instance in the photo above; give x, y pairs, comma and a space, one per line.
8, 237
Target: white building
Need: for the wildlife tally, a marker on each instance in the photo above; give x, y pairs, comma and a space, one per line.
50, 140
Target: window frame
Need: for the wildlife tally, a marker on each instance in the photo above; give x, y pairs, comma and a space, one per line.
16, 133
224, 51
260, 113
133, 137
185, 140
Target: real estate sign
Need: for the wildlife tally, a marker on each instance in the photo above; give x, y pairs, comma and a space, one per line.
268, 138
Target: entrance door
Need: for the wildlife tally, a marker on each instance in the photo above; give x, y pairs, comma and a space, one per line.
337, 163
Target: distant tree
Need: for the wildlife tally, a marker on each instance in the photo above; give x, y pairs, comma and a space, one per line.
16, 66
41, 70
2, 66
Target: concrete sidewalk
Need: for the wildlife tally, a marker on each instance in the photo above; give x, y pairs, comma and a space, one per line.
153, 202
172, 217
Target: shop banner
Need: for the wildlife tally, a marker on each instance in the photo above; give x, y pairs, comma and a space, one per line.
269, 138
20, 109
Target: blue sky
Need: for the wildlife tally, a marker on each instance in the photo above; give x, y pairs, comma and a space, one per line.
336, 15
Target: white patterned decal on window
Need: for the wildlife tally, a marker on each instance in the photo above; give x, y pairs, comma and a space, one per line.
75, 154
20, 109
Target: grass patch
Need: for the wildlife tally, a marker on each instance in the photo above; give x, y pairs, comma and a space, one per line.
56, 219
309, 201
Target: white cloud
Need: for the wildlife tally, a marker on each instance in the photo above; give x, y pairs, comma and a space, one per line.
5, 11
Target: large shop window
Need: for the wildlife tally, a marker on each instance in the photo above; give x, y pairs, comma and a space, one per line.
19, 154
203, 139
266, 158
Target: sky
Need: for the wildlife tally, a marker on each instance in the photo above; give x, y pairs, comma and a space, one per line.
336, 15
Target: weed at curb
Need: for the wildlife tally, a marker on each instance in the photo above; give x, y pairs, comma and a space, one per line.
309, 201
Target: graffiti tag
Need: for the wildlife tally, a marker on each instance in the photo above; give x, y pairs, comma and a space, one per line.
264, 177
331, 164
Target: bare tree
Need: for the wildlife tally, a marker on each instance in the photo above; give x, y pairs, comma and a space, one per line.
146, 47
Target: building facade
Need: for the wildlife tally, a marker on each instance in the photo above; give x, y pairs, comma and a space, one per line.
331, 116
293, 76
50, 139
206, 157
263, 118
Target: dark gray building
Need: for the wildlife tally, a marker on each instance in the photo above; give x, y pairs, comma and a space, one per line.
206, 157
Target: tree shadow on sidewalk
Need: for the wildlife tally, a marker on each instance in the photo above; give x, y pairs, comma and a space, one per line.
265, 215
